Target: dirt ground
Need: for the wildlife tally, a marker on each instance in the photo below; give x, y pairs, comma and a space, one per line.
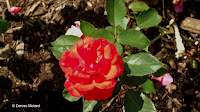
36, 78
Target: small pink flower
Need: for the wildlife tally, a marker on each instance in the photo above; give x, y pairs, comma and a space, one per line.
178, 7
13, 10
75, 30
164, 80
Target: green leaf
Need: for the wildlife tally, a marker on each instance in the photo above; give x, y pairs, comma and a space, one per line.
111, 29
138, 6
138, 102
124, 25
162, 71
141, 64
68, 97
126, 1
133, 80
86, 28
4, 25
146, 48
96, 107
116, 11
119, 48
148, 87
103, 33
148, 18
89, 105
58, 51
63, 43
133, 38
117, 89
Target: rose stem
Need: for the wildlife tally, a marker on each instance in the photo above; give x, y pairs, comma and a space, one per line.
159, 36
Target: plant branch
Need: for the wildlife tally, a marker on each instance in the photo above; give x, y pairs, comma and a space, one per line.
159, 36
162, 28
128, 13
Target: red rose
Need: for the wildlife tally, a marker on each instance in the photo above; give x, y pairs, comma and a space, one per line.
90, 68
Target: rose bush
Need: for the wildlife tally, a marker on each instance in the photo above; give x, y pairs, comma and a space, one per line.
91, 68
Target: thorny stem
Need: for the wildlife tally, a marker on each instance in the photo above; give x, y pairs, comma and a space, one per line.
159, 36
128, 13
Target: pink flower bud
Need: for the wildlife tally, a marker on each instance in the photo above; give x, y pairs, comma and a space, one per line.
164, 80
13, 10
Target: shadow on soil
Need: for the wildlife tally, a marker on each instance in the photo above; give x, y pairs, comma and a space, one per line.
49, 92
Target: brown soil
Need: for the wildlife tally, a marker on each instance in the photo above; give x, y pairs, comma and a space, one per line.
38, 79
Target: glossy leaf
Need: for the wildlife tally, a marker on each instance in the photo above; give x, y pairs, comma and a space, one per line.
141, 64
148, 18
116, 11
162, 71
120, 28
86, 28
124, 25
119, 48
148, 104
89, 105
138, 6
133, 38
63, 43
4, 25
68, 97
133, 80
58, 51
102, 33
111, 29
138, 102
117, 89
148, 87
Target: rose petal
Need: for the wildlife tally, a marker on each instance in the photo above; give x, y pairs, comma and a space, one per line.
77, 24
70, 59
108, 52
167, 79
72, 90
74, 31
106, 84
13, 10
164, 80
98, 94
178, 7
84, 87
114, 71
159, 79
